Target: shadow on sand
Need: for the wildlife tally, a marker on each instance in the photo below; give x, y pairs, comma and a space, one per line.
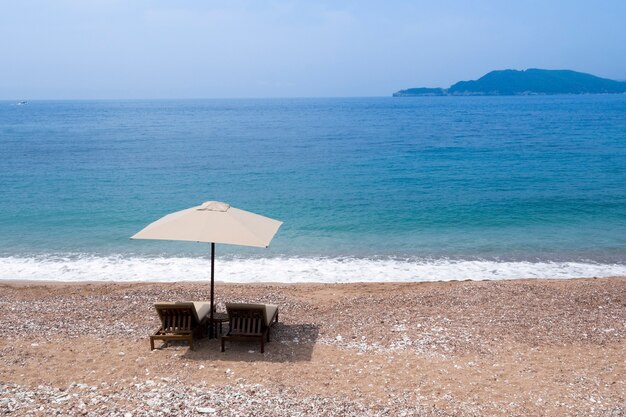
288, 343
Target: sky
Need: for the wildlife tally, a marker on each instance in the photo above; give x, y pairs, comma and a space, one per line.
108, 49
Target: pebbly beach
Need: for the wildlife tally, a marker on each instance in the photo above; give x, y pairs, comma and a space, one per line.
461, 348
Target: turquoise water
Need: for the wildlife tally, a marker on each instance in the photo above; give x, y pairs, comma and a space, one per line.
413, 181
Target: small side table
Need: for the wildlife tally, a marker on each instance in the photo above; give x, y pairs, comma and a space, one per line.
218, 319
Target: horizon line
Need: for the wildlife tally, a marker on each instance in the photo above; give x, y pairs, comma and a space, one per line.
186, 98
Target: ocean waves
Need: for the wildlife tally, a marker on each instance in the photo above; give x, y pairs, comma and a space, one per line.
88, 268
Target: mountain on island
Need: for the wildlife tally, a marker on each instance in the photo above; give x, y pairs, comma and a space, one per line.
525, 82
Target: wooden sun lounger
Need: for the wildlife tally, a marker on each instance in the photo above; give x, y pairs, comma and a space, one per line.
250, 322
181, 321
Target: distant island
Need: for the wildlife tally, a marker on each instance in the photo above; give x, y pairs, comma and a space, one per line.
525, 82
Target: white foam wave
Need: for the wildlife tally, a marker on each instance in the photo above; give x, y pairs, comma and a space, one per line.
330, 270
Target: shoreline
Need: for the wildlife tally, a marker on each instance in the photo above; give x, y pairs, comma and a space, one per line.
494, 348
37, 282
42, 283
291, 270
93, 282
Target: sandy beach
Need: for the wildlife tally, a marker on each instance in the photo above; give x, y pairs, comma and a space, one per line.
479, 348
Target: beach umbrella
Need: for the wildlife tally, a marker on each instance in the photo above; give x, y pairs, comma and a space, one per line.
213, 222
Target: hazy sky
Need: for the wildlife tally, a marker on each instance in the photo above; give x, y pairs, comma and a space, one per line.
195, 49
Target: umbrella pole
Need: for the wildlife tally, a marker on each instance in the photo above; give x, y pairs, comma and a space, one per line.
211, 324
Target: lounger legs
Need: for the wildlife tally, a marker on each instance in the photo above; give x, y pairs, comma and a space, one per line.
167, 338
261, 339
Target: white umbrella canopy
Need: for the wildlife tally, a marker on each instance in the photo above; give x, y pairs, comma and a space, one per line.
213, 222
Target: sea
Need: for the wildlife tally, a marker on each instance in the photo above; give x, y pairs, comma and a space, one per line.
369, 189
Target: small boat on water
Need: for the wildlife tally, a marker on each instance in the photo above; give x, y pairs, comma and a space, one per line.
22, 103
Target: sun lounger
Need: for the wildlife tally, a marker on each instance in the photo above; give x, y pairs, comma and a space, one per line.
181, 321
250, 322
